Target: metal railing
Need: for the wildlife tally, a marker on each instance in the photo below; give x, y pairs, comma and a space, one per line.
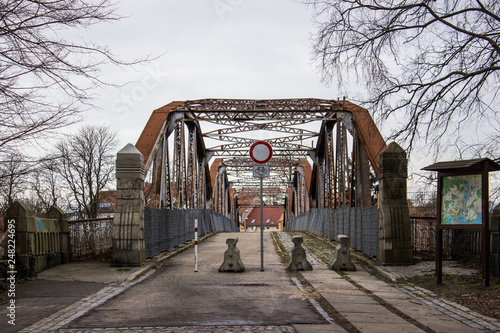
165, 229
359, 224
90, 239
456, 243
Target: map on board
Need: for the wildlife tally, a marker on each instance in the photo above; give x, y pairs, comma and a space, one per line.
462, 200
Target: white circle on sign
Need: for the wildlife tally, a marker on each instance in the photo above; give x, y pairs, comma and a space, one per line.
261, 152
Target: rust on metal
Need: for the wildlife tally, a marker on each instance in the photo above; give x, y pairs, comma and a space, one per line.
196, 153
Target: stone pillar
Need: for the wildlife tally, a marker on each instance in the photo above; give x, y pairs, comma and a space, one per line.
394, 246
495, 241
128, 223
24, 222
57, 214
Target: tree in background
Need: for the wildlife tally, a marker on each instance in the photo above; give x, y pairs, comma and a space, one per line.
433, 65
47, 186
45, 79
87, 163
14, 174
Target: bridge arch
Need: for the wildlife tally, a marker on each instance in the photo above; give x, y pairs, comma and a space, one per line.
196, 154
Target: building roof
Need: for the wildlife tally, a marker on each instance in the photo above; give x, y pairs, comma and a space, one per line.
273, 214
473, 165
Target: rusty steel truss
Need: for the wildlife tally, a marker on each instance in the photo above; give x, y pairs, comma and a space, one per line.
197, 154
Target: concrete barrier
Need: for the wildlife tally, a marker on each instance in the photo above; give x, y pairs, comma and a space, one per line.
299, 259
342, 258
232, 261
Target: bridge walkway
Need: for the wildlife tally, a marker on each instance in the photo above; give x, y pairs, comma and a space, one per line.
174, 298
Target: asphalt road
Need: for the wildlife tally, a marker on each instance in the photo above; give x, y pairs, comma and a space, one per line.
37, 299
177, 296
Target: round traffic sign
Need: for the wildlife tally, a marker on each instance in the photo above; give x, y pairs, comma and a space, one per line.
261, 152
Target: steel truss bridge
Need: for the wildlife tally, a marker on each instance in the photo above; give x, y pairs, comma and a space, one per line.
197, 154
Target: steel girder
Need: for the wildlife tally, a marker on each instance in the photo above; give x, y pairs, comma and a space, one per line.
341, 176
341, 152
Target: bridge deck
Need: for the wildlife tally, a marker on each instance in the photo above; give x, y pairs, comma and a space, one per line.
176, 299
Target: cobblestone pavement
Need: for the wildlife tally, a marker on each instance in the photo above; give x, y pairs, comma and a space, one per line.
318, 254
425, 267
454, 310
186, 329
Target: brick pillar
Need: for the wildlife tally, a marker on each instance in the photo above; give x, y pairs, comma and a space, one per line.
128, 223
394, 246
495, 241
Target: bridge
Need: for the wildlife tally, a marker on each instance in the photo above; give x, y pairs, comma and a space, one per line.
195, 165
191, 163
181, 139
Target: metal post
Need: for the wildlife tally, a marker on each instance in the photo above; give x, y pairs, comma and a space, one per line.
485, 230
261, 226
196, 245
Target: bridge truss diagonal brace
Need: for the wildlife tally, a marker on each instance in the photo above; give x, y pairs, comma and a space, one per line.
173, 147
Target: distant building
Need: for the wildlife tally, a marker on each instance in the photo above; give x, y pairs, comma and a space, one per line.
273, 219
107, 204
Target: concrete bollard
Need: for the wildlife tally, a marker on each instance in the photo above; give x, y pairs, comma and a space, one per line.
232, 261
299, 259
342, 257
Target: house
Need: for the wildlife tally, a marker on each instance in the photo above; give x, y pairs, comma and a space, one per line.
273, 219
107, 204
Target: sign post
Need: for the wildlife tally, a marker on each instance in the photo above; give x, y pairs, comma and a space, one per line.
196, 245
261, 152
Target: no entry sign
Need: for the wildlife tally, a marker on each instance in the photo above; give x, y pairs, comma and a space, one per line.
261, 152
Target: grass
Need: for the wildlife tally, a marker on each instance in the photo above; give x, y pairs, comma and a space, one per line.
466, 290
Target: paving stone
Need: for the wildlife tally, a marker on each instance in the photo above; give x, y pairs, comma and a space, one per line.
387, 328
318, 329
353, 304
381, 316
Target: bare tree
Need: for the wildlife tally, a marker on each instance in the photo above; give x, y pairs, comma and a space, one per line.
45, 79
14, 172
47, 185
87, 163
433, 65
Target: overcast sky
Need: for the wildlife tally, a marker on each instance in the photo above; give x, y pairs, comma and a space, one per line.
256, 49
210, 49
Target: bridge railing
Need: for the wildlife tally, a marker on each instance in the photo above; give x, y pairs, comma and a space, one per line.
456, 243
40, 243
360, 224
165, 229
90, 238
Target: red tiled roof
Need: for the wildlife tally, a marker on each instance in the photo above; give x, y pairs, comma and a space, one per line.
272, 213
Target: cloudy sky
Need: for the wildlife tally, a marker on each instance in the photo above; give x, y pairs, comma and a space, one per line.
207, 49
254, 49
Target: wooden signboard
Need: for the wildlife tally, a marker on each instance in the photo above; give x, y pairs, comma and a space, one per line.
462, 203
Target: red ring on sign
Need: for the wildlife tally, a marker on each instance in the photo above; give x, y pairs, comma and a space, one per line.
266, 158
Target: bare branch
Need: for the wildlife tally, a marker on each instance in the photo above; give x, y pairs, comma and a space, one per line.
46, 80
435, 65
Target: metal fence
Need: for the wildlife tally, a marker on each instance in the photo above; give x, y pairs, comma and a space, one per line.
457, 244
90, 239
167, 228
360, 224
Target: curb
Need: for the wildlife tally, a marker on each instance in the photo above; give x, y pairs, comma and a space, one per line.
157, 261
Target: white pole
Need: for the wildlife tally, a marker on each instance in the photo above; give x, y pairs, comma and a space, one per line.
196, 245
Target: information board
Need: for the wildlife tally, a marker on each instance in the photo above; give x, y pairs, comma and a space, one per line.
461, 200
